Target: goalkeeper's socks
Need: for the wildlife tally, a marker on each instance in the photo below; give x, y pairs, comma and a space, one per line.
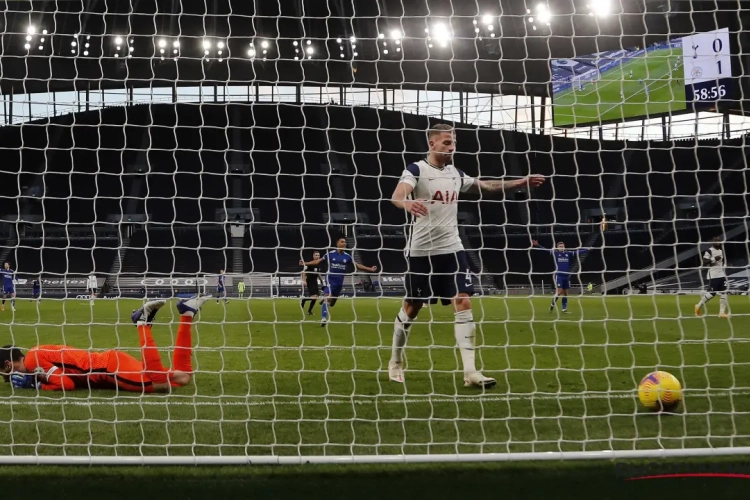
182, 359
151, 358
465, 332
324, 308
400, 332
302, 304
565, 303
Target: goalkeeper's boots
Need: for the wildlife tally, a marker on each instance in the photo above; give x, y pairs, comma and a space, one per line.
476, 379
396, 371
698, 311
192, 305
148, 312
724, 315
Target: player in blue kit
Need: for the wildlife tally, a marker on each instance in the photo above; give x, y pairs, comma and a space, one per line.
221, 291
9, 288
563, 260
339, 264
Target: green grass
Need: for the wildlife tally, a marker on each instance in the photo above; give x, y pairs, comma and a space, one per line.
602, 102
270, 381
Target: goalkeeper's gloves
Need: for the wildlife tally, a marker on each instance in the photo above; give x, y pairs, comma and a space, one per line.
23, 381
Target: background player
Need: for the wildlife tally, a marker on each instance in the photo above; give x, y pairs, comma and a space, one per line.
221, 290
9, 287
59, 367
563, 260
92, 286
36, 289
717, 279
437, 266
311, 276
241, 289
339, 263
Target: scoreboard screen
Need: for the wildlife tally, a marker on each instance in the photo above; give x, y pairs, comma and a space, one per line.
667, 77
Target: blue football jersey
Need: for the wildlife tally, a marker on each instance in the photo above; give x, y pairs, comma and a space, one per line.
564, 259
8, 277
338, 266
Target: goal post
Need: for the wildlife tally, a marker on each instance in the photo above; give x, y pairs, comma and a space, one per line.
153, 153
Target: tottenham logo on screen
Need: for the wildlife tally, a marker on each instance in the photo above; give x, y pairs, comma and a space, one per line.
697, 72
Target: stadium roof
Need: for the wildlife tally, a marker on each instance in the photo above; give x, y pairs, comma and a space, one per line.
481, 45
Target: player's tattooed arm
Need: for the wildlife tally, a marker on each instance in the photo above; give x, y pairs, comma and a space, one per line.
481, 186
365, 268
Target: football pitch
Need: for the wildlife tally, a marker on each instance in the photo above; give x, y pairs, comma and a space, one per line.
269, 380
602, 101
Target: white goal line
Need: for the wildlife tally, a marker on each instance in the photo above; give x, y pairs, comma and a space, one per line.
363, 400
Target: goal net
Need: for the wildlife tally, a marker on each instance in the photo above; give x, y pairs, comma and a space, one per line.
169, 154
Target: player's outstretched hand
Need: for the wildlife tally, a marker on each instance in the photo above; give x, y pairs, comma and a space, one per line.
302, 263
535, 180
373, 269
416, 207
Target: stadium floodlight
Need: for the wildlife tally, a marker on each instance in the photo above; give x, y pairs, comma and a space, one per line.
310, 50
221, 52
398, 49
41, 47
162, 43
175, 51
118, 40
206, 44
487, 19
296, 58
531, 19
543, 14
251, 52
352, 38
176, 44
476, 30
474, 21
118, 47
338, 40
85, 52
600, 8
295, 43
381, 35
221, 45
27, 46
44, 32
309, 42
28, 38
42, 40
441, 34
385, 51
264, 44
342, 55
117, 55
73, 44
491, 28
356, 54
161, 51
31, 29
205, 52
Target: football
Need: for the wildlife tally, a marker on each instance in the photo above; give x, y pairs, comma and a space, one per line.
660, 391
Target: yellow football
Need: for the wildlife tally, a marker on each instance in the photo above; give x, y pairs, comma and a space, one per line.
660, 391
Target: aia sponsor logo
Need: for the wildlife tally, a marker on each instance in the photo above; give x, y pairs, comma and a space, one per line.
444, 197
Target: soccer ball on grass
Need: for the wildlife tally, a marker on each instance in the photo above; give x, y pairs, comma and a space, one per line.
660, 391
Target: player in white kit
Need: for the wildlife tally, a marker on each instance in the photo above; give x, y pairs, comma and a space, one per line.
437, 265
92, 286
717, 279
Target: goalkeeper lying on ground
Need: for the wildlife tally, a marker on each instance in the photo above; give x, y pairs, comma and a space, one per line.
59, 367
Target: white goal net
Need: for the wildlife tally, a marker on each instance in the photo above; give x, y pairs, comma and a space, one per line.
155, 153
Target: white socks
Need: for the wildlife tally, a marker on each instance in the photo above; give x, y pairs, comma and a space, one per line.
400, 331
723, 303
708, 296
465, 331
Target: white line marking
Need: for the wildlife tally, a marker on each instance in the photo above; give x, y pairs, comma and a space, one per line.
389, 400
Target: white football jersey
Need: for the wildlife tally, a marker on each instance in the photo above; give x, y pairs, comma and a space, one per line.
92, 282
715, 268
437, 232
